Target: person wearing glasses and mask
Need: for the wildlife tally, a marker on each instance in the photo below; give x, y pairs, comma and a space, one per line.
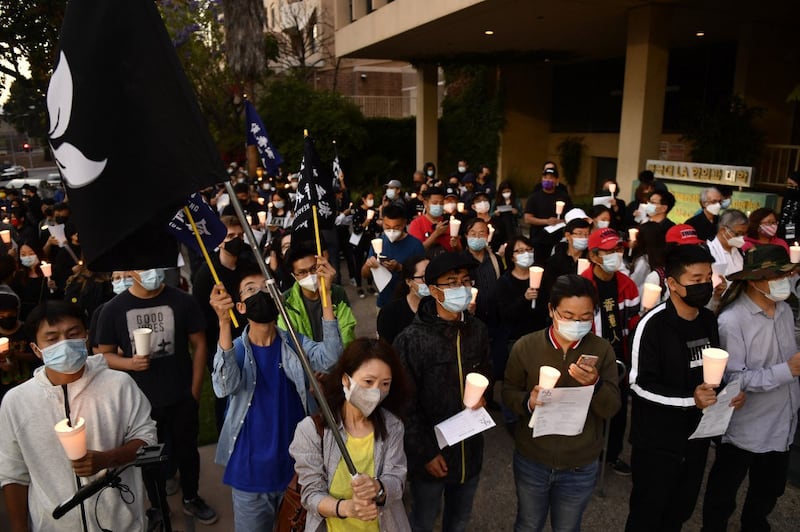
557, 474
304, 298
399, 314
261, 375
441, 346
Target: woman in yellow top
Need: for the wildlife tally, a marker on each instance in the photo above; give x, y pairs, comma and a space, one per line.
366, 391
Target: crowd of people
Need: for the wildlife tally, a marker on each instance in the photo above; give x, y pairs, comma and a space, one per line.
467, 277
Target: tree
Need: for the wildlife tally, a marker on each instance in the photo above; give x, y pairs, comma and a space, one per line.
303, 40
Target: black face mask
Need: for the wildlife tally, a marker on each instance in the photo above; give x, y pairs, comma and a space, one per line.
61, 219
234, 246
698, 295
8, 323
260, 308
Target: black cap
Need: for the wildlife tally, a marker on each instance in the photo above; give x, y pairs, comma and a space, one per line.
451, 192
447, 262
550, 171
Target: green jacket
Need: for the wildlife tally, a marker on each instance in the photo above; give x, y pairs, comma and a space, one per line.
301, 322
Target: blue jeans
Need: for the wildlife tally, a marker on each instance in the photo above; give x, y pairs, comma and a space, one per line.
564, 493
255, 512
426, 503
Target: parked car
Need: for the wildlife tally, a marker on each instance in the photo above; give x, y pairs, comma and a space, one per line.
13, 171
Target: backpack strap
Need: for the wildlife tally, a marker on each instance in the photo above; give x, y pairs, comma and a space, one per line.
493, 258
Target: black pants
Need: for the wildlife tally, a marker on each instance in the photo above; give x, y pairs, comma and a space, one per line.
616, 435
178, 426
665, 487
767, 476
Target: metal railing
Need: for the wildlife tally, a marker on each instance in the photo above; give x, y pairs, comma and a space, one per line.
777, 162
383, 106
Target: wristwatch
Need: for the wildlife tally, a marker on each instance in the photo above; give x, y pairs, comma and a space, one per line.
380, 498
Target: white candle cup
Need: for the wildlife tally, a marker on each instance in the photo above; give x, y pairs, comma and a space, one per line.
714, 362
612, 187
455, 226
474, 387
474, 294
370, 214
249, 219
141, 340
548, 377
261, 201
536, 276
73, 438
47, 269
559, 208
583, 265
632, 234
262, 217
460, 206
377, 245
491, 233
5, 234
794, 253
651, 296
3, 344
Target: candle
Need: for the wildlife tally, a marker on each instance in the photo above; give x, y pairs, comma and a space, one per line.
5, 234
460, 206
548, 377
377, 245
474, 294
413, 195
73, 438
583, 265
261, 201
262, 217
249, 219
3, 344
632, 234
47, 269
491, 232
612, 187
370, 214
652, 293
474, 387
714, 362
141, 340
455, 226
559, 208
535, 280
794, 253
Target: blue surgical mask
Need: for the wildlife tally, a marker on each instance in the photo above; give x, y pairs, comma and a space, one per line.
779, 289
120, 285
726, 203
278, 204
436, 210
391, 193
151, 279
573, 330
430, 173
66, 356
603, 224
612, 262
650, 209
456, 299
29, 261
580, 243
476, 244
524, 260
423, 290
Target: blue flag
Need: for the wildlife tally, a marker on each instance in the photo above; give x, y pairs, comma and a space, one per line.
257, 135
208, 224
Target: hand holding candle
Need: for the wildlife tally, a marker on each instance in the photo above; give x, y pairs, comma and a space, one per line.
714, 362
141, 340
72, 437
559, 208
535, 279
370, 214
377, 245
6, 236
612, 187
262, 217
474, 387
47, 269
632, 234
455, 226
460, 206
3, 345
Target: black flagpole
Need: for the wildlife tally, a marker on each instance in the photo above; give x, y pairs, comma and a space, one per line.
272, 287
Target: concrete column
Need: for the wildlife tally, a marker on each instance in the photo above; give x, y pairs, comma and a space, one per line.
427, 114
523, 141
646, 60
342, 15
359, 9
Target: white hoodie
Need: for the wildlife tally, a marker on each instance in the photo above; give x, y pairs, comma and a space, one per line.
115, 412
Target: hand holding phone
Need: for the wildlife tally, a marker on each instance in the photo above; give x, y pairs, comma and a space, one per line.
588, 360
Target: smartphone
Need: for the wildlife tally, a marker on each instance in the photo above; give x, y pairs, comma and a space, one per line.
588, 360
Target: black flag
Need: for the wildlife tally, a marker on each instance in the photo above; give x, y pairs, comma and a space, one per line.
314, 188
126, 132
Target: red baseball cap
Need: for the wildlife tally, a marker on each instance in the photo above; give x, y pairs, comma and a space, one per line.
682, 234
604, 239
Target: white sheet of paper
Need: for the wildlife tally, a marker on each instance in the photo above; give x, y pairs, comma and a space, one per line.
716, 417
381, 276
554, 228
461, 426
58, 232
505, 208
563, 412
602, 200
356, 238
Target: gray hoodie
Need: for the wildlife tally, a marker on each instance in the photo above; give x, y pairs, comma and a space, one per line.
115, 412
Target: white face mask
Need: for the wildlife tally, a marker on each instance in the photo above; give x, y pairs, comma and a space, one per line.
370, 203
365, 399
449, 208
506, 195
580, 243
309, 282
779, 289
524, 260
736, 241
602, 224
392, 234
612, 262
714, 208
391, 193
482, 207
462, 169
650, 209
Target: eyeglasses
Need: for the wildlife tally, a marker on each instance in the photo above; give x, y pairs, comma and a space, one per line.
302, 273
420, 277
252, 289
455, 283
734, 233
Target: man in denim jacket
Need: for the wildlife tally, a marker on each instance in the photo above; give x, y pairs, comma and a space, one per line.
268, 395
